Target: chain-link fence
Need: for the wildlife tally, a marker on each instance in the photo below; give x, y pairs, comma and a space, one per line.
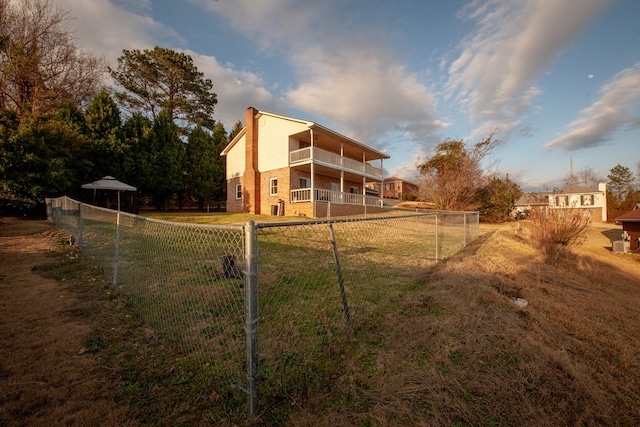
270, 305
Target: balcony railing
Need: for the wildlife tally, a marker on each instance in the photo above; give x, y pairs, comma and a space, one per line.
304, 195
333, 159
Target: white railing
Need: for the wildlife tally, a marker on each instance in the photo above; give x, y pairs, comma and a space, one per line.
334, 159
322, 195
300, 155
301, 195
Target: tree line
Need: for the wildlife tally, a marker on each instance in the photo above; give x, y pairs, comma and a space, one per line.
60, 127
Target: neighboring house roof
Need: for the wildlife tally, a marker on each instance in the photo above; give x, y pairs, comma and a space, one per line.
633, 216
576, 189
395, 178
532, 199
375, 154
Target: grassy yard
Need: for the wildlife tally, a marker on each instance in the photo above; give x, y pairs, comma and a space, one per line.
428, 344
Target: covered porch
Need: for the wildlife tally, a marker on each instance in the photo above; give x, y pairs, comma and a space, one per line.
338, 170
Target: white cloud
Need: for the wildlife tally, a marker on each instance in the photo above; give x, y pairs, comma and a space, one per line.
363, 89
271, 22
346, 74
617, 107
233, 88
514, 43
105, 29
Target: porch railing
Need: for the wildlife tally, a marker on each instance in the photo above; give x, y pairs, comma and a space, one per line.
304, 195
305, 154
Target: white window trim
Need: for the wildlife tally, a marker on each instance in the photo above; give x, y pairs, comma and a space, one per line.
271, 186
238, 190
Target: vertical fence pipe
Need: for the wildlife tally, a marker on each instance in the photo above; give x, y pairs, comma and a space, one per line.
117, 261
464, 229
80, 227
251, 313
437, 250
343, 294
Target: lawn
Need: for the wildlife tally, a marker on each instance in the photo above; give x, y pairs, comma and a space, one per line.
428, 344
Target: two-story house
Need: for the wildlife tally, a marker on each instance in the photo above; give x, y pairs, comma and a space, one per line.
282, 165
592, 201
395, 188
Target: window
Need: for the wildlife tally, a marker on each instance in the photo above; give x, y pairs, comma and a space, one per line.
273, 187
305, 183
304, 144
386, 187
238, 191
586, 200
354, 190
562, 201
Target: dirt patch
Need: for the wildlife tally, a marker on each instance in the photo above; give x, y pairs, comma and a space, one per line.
44, 380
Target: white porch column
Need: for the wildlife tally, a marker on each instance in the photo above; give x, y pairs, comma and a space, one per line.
364, 178
341, 171
382, 183
313, 179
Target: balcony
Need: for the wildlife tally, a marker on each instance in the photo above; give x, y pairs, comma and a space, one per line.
327, 158
301, 195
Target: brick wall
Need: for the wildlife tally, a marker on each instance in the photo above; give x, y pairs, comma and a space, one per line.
284, 184
233, 205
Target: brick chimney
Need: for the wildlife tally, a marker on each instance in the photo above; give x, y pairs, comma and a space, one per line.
251, 178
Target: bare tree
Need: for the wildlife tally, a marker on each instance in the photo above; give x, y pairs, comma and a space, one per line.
41, 65
586, 177
453, 177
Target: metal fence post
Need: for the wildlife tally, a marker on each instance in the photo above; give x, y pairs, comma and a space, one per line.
80, 227
251, 313
464, 229
117, 261
334, 246
437, 249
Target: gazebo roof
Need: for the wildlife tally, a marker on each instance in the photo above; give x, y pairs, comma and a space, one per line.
109, 183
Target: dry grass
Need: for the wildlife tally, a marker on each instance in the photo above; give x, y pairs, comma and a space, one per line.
460, 352
558, 231
454, 350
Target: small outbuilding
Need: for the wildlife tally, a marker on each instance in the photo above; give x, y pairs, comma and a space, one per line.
105, 187
631, 227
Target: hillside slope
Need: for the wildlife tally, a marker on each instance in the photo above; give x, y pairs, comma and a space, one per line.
461, 350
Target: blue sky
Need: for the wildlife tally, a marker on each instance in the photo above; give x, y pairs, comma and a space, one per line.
558, 79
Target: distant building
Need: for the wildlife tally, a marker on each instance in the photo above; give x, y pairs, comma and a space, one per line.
593, 201
395, 188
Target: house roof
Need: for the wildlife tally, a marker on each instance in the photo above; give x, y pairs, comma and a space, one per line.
532, 199
375, 154
570, 189
395, 178
633, 216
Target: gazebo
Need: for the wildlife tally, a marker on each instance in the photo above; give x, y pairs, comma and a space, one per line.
109, 183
